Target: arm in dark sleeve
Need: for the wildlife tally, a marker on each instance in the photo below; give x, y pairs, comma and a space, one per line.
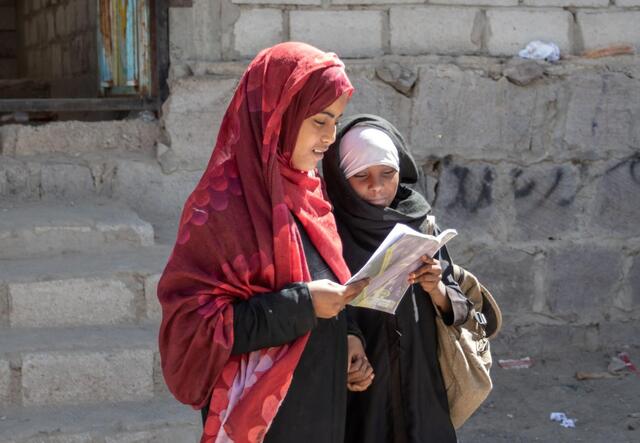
272, 319
460, 305
352, 325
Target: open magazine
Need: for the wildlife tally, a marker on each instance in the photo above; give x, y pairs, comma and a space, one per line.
390, 265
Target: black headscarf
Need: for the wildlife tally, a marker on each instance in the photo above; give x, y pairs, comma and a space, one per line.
363, 226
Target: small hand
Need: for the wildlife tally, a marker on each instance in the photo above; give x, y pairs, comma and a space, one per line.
329, 298
429, 275
359, 371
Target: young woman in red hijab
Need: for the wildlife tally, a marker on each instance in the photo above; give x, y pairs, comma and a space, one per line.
243, 338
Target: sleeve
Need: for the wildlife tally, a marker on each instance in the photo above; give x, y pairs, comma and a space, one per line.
460, 305
272, 319
352, 325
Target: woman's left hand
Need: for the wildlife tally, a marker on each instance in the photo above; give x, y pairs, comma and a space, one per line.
359, 370
429, 275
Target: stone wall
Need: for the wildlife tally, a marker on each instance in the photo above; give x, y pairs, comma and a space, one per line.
537, 165
59, 44
8, 40
236, 29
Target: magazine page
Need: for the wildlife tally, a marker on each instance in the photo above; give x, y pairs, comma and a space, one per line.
390, 265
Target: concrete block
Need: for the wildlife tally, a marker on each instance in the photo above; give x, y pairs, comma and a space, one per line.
277, 2
604, 28
75, 137
579, 288
5, 383
469, 199
145, 186
347, 33
601, 115
511, 29
466, 112
81, 301
508, 273
153, 307
193, 113
50, 378
257, 29
563, 3
369, 2
440, 30
181, 43
45, 229
617, 206
373, 94
187, 434
476, 2
545, 201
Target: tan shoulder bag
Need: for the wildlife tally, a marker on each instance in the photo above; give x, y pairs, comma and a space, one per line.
464, 352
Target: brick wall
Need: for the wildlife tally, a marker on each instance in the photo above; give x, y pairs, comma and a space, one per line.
213, 30
59, 44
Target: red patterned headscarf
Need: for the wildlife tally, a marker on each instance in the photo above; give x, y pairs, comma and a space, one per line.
237, 238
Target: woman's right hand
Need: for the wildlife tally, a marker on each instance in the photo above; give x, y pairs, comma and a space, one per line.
329, 298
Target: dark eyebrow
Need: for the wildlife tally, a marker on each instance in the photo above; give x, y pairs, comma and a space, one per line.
330, 115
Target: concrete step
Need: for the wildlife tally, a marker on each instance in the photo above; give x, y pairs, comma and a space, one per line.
134, 178
82, 289
75, 137
66, 366
160, 420
46, 229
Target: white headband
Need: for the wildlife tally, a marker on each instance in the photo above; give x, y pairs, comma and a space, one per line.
364, 146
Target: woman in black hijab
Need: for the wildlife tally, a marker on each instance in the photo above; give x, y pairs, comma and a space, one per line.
407, 402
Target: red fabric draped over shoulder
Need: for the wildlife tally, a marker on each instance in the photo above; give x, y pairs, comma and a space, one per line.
237, 239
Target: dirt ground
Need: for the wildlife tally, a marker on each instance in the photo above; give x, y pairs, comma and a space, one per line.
518, 409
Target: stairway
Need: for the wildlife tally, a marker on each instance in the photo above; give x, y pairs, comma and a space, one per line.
79, 315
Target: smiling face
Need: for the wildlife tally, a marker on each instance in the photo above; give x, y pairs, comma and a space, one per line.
316, 134
377, 185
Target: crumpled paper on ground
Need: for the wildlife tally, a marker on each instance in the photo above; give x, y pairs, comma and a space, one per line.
562, 418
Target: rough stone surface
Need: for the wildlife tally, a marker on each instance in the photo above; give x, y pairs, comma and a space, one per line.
145, 187
154, 309
459, 111
400, 77
618, 198
47, 229
347, 33
511, 29
579, 287
523, 72
257, 29
468, 200
575, 3
193, 113
82, 301
634, 282
173, 435
601, 114
545, 201
78, 137
5, 383
439, 30
512, 282
75, 377
603, 28
476, 2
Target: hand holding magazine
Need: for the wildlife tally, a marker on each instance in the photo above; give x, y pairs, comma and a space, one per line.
389, 266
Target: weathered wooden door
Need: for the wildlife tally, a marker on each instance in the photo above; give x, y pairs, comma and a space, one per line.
124, 47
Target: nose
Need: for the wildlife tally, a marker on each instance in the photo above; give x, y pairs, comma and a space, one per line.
329, 136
